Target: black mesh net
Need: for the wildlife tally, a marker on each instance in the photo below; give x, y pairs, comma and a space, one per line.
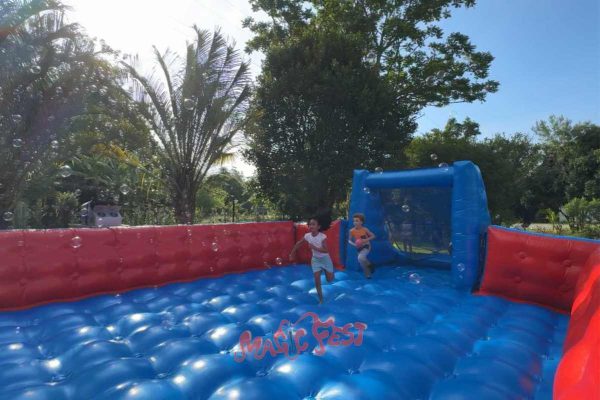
418, 220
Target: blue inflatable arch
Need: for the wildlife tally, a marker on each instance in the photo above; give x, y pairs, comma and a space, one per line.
468, 214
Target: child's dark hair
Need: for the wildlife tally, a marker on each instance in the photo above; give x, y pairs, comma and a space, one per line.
323, 218
360, 216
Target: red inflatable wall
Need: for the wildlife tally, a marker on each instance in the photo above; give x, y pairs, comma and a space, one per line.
578, 374
39, 266
534, 268
304, 254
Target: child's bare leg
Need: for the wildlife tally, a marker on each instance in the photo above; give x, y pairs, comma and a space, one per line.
329, 276
364, 263
317, 276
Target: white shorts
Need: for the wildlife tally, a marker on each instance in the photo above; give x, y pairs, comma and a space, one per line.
321, 263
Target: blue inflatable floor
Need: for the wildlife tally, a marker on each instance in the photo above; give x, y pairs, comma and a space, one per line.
423, 340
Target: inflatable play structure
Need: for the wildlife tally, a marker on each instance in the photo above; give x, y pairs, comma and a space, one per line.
456, 309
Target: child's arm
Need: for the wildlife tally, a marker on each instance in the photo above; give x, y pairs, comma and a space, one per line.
296, 246
350, 239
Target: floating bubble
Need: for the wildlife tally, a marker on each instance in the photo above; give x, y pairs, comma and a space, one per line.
77, 192
93, 88
189, 104
51, 118
460, 267
84, 212
54, 144
124, 189
8, 216
279, 261
76, 242
65, 171
387, 156
17, 118
59, 91
36, 69
379, 170
406, 208
367, 190
433, 156
214, 247
414, 278
17, 143
443, 165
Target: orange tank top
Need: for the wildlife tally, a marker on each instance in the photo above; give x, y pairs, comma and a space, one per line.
358, 233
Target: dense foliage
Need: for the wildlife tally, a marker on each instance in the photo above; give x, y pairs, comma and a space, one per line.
342, 86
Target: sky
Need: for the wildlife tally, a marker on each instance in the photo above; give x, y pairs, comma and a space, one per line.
547, 52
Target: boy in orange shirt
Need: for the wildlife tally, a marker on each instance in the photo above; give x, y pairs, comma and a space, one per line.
360, 237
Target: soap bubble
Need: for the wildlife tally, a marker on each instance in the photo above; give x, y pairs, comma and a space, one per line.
379, 170
387, 156
214, 247
460, 267
406, 208
279, 261
124, 189
189, 104
77, 192
8, 216
17, 118
84, 212
76, 242
17, 143
65, 171
433, 156
35, 69
54, 144
414, 278
443, 165
367, 190
59, 91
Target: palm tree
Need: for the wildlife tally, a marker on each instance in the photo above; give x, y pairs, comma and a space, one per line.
34, 38
195, 108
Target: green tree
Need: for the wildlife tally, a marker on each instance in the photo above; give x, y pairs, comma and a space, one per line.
60, 95
195, 109
507, 164
572, 155
342, 85
222, 193
399, 38
319, 112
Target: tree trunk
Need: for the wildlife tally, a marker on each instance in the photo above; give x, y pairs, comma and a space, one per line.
184, 200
